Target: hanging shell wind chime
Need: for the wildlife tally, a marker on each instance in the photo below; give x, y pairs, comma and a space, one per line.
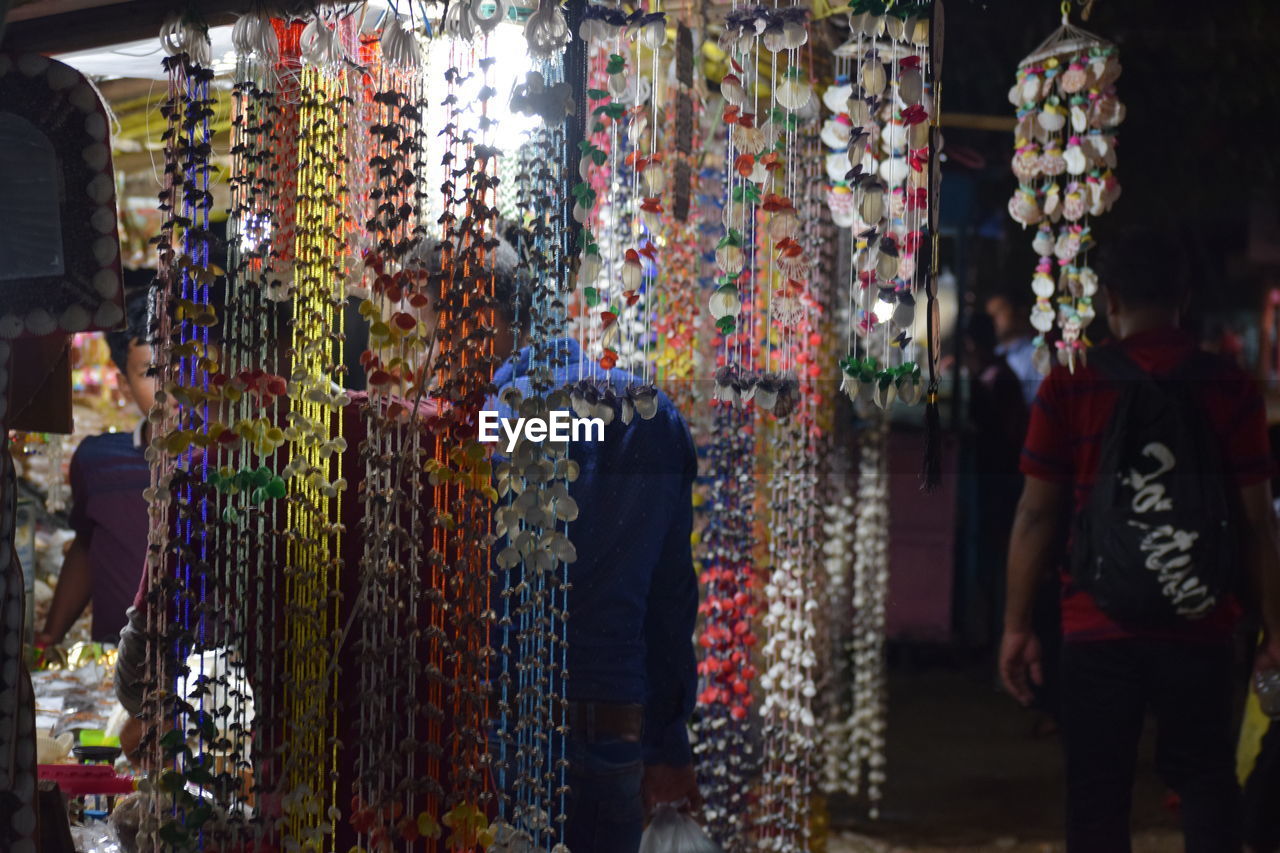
882, 163
1064, 159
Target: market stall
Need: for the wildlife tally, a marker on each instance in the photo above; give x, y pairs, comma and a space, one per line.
737, 207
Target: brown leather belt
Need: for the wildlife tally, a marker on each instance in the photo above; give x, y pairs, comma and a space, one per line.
597, 721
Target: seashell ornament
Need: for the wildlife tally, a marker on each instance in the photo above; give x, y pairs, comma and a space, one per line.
1023, 207
1042, 243
1052, 117
1075, 160
874, 205
1052, 162
843, 206
873, 79
836, 96
911, 86
1075, 78
794, 93
1026, 162
1042, 316
1074, 206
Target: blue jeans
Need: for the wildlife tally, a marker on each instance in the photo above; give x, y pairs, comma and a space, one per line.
605, 810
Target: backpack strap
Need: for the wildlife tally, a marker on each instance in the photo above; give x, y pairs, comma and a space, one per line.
1112, 364
1199, 366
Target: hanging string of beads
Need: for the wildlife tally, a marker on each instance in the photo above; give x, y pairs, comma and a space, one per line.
885, 131
677, 316
248, 480
461, 471
785, 277
398, 796
313, 472
538, 509
868, 723
181, 729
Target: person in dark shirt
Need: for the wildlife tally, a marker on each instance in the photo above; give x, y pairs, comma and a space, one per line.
998, 417
108, 513
1113, 673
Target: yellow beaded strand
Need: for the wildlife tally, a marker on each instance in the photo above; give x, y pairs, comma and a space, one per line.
316, 485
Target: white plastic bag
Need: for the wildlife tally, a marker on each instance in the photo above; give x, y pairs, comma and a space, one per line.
96, 837
672, 831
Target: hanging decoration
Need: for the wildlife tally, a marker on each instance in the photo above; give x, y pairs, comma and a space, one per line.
619, 204
868, 719
398, 797
420, 580
533, 518
678, 314
247, 479
1064, 159
182, 612
726, 755
883, 137
461, 470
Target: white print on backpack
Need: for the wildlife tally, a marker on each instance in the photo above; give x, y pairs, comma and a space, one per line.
1168, 554
1149, 495
1167, 549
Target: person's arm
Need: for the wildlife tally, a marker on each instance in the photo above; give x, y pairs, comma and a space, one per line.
1037, 531
1038, 524
131, 656
1262, 559
75, 580
70, 595
671, 668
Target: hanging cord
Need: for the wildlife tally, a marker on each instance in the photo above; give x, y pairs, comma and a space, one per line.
932, 473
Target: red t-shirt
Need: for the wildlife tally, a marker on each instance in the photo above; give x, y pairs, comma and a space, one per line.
1064, 443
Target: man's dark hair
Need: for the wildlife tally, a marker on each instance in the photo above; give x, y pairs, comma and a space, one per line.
981, 330
136, 291
1144, 268
1016, 297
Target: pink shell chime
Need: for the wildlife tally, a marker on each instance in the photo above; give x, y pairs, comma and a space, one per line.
1064, 159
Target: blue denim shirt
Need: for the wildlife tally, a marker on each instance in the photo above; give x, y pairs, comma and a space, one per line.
1020, 354
634, 594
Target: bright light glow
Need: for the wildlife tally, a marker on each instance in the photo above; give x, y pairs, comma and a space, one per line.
883, 311
507, 45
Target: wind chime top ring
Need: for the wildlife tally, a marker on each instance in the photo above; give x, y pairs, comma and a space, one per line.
178, 35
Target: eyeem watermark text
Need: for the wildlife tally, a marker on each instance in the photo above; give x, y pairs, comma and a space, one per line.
557, 426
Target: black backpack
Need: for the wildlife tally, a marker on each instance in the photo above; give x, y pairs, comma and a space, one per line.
1154, 542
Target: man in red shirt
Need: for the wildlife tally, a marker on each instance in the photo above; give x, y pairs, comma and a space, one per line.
1113, 673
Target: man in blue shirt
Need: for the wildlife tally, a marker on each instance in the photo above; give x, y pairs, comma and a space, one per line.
109, 473
1016, 344
634, 596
